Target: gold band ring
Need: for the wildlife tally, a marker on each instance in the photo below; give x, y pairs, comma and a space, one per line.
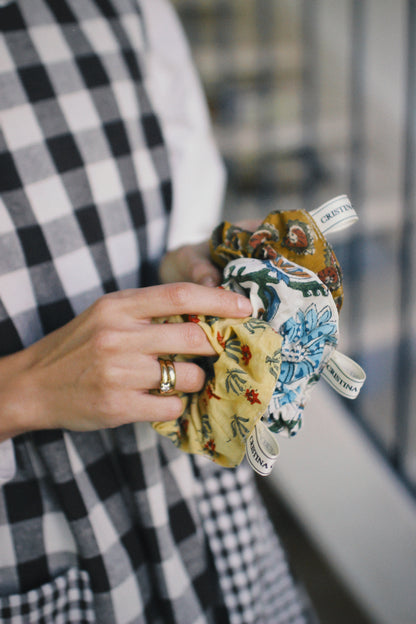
167, 376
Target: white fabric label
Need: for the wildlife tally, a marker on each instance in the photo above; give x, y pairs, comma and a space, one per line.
344, 375
335, 215
262, 449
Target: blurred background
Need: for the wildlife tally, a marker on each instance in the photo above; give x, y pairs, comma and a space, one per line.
311, 99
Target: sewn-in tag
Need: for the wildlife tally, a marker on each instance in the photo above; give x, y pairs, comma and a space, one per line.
335, 215
344, 375
262, 449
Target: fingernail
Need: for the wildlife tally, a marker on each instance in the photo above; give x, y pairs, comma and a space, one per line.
244, 305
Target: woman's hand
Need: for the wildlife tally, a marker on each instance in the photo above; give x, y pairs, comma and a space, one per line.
190, 263
96, 371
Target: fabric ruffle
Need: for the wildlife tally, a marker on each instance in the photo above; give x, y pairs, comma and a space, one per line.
267, 365
292, 234
240, 383
299, 307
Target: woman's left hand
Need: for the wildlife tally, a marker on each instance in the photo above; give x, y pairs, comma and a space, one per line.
189, 263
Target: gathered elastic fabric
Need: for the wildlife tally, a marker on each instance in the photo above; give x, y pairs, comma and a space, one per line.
266, 366
240, 383
293, 234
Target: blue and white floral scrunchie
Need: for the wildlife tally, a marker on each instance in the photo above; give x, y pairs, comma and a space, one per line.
300, 308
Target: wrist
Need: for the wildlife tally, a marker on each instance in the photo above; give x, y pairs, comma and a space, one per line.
17, 398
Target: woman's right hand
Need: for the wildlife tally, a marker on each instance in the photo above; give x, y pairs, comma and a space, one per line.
96, 371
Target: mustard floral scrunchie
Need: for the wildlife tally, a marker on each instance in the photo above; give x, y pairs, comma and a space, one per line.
292, 234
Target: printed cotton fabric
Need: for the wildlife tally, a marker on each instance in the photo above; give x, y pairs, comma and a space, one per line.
120, 518
289, 270
293, 301
240, 382
292, 234
266, 366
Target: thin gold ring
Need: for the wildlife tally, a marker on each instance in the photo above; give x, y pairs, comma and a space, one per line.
167, 376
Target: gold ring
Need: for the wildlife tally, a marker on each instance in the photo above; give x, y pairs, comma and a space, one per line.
167, 376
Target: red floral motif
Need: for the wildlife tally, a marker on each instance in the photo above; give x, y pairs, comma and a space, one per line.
252, 396
296, 238
246, 353
211, 394
221, 340
193, 318
260, 241
329, 276
269, 252
259, 237
210, 446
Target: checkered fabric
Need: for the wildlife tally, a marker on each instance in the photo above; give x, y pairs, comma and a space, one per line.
112, 526
67, 599
80, 137
254, 573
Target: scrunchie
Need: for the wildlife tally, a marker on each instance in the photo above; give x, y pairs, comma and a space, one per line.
300, 308
240, 382
293, 234
267, 365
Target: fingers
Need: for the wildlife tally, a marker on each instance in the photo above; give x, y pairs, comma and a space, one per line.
190, 263
185, 298
154, 408
144, 373
189, 377
166, 338
130, 399
204, 273
199, 268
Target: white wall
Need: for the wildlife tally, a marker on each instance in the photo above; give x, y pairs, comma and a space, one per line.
352, 507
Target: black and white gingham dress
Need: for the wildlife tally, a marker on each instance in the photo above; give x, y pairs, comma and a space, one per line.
112, 527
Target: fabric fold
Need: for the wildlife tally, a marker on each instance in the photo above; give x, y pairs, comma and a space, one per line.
240, 383
293, 234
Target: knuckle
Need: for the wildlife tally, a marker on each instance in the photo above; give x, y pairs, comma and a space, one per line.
105, 378
199, 268
193, 378
179, 294
194, 336
103, 309
183, 253
173, 408
105, 339
109, 406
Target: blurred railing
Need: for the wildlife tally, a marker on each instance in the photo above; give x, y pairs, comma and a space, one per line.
311, 99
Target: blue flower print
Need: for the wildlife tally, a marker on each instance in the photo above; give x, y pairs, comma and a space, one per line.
304, 340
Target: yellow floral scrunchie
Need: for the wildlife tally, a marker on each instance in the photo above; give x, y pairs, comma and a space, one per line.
240, 383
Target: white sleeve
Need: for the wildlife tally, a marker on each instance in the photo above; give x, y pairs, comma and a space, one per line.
7, 462
174, 87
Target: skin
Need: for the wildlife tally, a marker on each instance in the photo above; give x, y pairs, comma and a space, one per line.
96, 371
